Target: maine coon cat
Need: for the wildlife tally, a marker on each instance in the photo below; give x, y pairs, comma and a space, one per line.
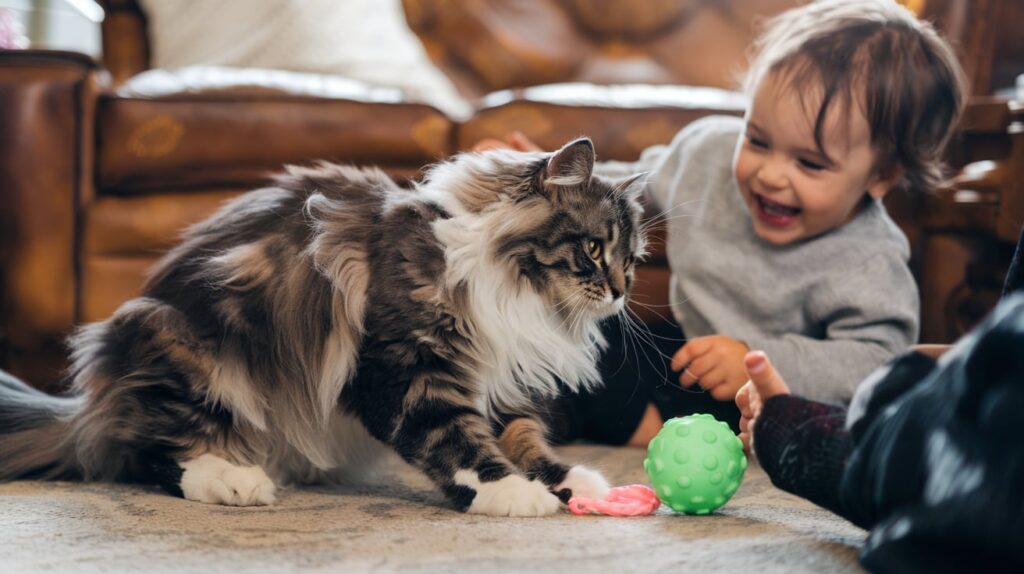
307, 324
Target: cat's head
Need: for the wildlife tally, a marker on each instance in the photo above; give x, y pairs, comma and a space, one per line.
574, 237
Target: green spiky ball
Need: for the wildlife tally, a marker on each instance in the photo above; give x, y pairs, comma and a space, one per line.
695, 464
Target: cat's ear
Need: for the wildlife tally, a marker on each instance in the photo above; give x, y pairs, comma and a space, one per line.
570, 166
632, 187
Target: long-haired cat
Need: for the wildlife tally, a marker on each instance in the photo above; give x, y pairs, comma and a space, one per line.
308, 324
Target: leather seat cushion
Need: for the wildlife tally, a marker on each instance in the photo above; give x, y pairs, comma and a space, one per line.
168, 130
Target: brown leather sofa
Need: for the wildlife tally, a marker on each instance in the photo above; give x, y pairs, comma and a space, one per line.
99, 171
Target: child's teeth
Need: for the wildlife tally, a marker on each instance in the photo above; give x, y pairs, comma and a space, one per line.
775, 209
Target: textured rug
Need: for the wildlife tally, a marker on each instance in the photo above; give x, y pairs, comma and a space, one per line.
68, 527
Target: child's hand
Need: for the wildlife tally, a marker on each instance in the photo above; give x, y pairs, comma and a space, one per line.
765, 382
513, 140
715, 362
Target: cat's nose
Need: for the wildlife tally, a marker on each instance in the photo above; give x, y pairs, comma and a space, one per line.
617, 284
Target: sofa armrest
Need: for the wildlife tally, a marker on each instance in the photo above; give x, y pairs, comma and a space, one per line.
969, 230
47, 110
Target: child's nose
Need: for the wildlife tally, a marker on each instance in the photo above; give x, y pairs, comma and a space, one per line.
772, 174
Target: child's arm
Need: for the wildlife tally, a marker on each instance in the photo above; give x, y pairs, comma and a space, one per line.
801, 444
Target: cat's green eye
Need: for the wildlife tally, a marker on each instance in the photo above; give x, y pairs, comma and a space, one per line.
595, 248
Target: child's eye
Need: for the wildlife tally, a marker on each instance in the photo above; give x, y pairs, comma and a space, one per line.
595, 249
811, 165
756, 142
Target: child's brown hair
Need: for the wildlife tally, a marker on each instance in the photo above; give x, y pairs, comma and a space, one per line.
911, 87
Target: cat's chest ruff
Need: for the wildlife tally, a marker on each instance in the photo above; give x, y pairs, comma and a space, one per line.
519, 355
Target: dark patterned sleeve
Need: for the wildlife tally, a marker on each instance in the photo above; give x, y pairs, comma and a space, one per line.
803, 446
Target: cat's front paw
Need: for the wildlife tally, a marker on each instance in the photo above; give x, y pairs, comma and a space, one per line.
213, 480
584, 482
513, 495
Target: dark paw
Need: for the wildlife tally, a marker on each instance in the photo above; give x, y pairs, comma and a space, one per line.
564, 495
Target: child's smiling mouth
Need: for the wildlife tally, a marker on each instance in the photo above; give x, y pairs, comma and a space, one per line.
774, 213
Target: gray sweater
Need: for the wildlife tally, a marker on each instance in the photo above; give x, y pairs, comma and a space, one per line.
828, 310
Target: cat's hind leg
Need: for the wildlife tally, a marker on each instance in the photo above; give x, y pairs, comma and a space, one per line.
166, 406
525, 443
211, 479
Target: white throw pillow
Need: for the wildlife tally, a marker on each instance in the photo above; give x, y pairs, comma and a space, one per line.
366, 40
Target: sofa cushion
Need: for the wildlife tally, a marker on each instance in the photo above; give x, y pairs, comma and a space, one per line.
215, 126
365, 40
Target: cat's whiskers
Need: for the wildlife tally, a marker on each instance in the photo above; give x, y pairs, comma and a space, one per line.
654, 309
561, 305
576, 312
630, 341
665, 216
566, 310
668, 211
643, 337
563, 311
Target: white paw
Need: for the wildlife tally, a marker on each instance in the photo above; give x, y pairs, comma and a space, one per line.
509, 496
213, 480
585, 483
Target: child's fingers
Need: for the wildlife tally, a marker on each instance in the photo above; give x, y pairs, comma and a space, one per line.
713, 381
689, 352
746, 399
745, 439
488, 144
688, 378
721, 386
700, 370
713, 378
519, 141
681, 358
743, 399
763, 375
723, 391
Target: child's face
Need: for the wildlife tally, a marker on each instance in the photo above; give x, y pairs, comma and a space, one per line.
792, 190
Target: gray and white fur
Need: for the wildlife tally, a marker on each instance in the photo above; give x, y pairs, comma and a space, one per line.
306, 325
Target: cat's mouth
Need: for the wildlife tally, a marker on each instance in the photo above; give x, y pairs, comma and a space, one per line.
605, 305
590, 304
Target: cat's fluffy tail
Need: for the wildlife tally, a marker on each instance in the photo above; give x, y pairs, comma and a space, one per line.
34, 429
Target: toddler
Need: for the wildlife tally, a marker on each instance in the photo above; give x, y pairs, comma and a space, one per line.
777, 237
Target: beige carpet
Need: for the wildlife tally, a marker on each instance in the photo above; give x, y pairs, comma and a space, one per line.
66, 527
